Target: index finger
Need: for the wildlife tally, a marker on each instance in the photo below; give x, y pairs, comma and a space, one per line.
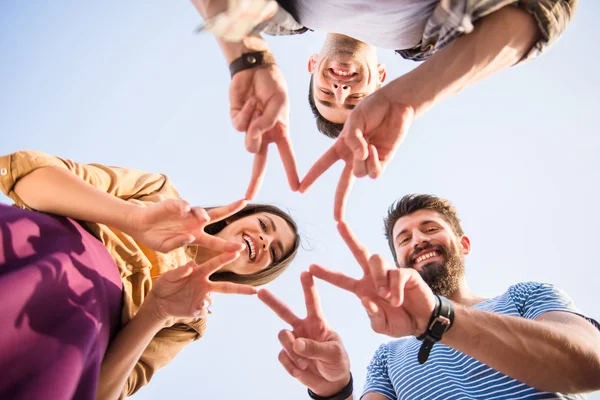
286, 152
220, 213
217, 243
359, 251
335, 278
342, 191
311, 297
233, 288
329, 158
259, 168
279, 307
216, 263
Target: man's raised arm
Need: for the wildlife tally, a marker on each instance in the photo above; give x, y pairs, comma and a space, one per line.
258, 99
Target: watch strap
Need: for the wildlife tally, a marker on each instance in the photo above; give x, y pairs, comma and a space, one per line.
341, 395
251, 60
441, 320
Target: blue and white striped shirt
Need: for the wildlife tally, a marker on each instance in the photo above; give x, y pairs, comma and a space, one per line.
449, 374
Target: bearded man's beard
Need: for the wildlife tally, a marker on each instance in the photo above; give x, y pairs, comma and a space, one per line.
442, 277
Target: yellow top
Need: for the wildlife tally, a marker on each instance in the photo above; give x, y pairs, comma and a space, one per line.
138, 265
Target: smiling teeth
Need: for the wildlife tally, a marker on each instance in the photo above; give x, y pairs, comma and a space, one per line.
342, 73
250, 244
425, 256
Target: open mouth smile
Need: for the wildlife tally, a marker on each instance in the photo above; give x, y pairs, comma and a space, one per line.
426, 255
340, 75
251, 245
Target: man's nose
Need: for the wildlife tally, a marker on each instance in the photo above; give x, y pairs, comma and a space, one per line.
419, 239
341, 92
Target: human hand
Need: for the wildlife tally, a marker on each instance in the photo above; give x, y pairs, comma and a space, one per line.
259, 106
185, 291
399, 303
312, 352
171, 224
370, 137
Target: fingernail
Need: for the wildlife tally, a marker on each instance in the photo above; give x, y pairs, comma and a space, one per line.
302, 363
192, 239
301, 345
295, 373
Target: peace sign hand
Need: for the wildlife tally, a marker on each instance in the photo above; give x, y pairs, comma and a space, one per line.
185, 291
259, 106
398, 301
171, 224
370, 137
312, 352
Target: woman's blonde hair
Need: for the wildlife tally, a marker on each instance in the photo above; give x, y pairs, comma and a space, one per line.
274, 270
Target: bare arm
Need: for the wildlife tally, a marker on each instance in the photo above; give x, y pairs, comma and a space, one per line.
498, 41
183, 292
557, 352
126, 349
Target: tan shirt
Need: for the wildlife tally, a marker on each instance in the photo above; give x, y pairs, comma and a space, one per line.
138, 265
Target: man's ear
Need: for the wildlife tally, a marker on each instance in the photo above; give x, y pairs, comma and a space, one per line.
312, 61
382, 72
465, 243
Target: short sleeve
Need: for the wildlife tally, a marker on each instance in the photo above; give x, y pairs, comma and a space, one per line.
378, 380
125, 183
533, 299
451, 19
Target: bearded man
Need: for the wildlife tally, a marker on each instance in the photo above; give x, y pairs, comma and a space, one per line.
529, 342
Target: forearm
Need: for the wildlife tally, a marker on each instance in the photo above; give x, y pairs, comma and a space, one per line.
542, 355
59, 191
498, 41
125, 350
231, 50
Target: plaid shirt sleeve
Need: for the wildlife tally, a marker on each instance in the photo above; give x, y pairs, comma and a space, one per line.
452, 18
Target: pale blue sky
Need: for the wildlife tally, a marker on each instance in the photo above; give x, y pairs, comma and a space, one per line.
124, 84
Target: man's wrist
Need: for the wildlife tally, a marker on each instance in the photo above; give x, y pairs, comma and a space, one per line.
422, 321
233, 51
412, 93
333, 387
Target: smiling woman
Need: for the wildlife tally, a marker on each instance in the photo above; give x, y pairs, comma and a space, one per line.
266, 231
109, 243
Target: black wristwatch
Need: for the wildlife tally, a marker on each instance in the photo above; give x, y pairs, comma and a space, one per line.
441, 320
251, 60
341, 395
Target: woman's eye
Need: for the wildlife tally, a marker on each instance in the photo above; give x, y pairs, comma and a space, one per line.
263, 226
273, 256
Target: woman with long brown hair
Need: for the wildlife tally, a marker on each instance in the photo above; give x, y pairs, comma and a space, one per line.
106, 274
